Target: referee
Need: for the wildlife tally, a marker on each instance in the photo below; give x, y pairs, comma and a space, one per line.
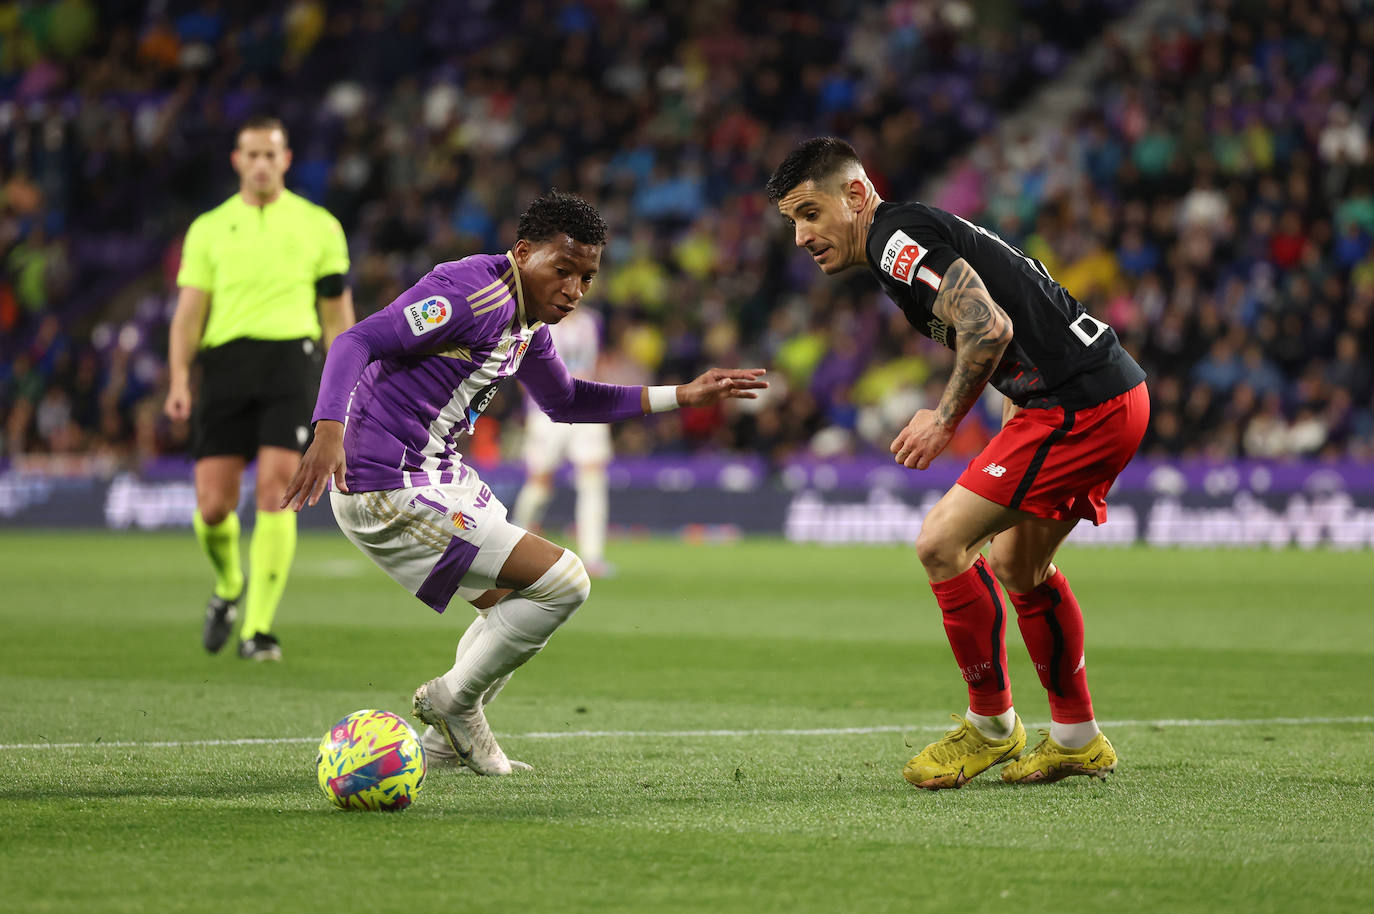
262, 279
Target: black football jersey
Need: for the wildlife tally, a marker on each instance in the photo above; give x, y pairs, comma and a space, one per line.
1059, 355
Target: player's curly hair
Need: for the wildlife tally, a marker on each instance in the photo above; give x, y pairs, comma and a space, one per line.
558, 213
814, 160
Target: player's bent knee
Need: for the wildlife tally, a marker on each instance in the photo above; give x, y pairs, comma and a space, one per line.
214, 510
936, 552
1017, 573
563, 588
1005, 568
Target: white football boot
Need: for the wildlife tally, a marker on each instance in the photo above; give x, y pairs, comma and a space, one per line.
438, 751
457, 735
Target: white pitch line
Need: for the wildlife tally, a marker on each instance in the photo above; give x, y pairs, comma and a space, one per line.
940, 728
697, 734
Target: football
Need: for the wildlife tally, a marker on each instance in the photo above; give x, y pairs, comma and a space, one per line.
371, 760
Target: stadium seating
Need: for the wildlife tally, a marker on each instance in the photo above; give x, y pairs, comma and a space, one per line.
1213, 200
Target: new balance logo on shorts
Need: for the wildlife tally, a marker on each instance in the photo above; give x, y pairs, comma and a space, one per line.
993, 469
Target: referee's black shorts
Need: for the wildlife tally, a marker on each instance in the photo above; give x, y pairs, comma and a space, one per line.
255, 393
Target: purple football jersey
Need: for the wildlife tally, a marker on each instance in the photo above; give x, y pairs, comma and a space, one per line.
411, 377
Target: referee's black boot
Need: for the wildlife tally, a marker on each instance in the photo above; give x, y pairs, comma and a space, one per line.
262, 646
219, 621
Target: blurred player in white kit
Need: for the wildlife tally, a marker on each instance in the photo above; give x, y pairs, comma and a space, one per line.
577, 338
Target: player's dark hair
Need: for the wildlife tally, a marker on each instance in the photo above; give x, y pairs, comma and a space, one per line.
264, 122
814, 160
557, 213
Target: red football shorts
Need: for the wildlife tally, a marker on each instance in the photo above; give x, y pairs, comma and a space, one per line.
1057, 463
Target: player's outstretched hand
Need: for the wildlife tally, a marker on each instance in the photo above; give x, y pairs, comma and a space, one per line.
718, 384
324, 458
921, 441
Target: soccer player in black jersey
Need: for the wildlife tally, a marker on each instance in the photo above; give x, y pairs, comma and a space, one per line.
1075, 410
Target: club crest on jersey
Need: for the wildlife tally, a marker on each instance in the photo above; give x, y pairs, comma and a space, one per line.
462, 521
901, 256
424, 316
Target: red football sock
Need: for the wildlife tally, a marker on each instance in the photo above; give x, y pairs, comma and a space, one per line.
1052, 625
976, 624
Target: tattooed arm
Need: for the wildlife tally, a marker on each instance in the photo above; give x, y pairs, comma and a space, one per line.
983, 331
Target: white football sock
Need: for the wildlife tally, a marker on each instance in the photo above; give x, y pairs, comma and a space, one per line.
516, 629
465, 642
592, 512
495, 689
1074, 736
531, 503
470, 635
999, 726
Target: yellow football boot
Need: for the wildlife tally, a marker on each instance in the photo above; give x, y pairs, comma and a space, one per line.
963, 754
1049, 761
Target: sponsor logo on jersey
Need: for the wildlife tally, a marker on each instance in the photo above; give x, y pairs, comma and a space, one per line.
481, 400
901, 255
994, 469
424, 316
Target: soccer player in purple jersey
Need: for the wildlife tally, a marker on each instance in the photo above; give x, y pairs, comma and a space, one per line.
401, 385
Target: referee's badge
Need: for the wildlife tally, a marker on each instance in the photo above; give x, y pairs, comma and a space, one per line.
424, 316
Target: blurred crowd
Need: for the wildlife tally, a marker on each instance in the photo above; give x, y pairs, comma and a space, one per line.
1213, 202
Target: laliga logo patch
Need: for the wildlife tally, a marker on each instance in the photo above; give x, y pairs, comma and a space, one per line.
424, 316
901, 256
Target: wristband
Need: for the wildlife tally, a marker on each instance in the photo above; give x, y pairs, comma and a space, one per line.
662, 398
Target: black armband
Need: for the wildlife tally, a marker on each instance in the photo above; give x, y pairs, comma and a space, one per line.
331, 286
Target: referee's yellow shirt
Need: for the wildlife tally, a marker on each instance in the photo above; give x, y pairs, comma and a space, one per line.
259, 265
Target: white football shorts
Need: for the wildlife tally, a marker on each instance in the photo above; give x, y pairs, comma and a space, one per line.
549, 443
435, 541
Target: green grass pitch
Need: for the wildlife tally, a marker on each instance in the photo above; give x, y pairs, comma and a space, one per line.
721, 728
